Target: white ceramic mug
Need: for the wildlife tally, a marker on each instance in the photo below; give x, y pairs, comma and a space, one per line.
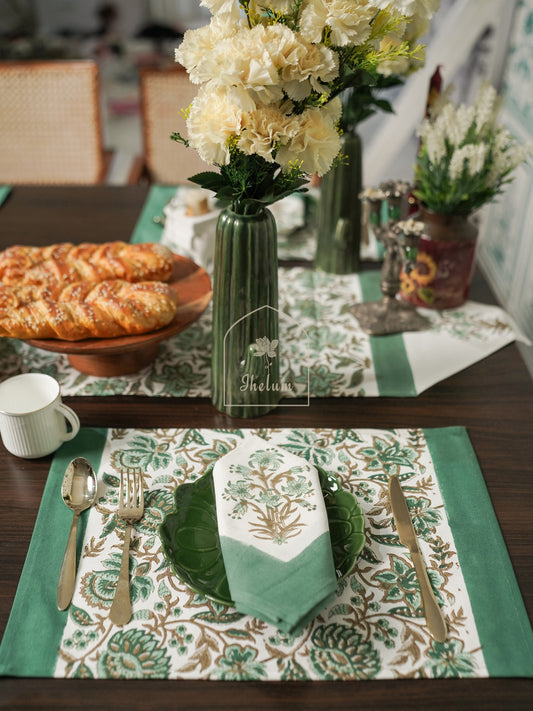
32, 416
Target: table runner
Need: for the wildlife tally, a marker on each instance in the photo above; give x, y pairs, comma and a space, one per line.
372, 630
4, 192
341, 360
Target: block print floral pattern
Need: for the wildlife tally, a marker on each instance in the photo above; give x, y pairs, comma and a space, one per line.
271, 495
333, 359
374, 629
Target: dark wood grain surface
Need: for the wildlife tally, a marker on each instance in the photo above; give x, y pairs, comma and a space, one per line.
493, 399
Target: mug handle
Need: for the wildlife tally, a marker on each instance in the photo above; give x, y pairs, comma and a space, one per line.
72, 418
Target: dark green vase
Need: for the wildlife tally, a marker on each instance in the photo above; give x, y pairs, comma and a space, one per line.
340, 211
245, 339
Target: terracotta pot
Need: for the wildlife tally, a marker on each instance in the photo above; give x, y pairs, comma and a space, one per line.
445, 262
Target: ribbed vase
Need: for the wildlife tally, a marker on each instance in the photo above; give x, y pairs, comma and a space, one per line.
245, 362
340, 212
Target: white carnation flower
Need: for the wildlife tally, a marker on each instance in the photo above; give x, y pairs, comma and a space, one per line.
244, 64
316, 144
265, 129
265, 62
217, 7
302, 66
197, 46
349, 21
213, 119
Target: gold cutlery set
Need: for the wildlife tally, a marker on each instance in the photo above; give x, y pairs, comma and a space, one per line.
79, 493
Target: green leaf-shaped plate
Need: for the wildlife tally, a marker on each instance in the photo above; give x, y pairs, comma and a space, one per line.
191, 545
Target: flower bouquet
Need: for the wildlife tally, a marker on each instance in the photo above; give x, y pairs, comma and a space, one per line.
267, 112
266, 117
464, 161
341, 218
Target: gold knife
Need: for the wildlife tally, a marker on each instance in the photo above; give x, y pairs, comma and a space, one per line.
434, 617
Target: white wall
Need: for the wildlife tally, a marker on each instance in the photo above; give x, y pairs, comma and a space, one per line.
506, 249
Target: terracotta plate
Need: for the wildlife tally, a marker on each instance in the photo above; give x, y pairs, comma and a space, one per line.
106, 357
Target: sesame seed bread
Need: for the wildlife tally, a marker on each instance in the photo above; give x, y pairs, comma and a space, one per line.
82, 310
67, 263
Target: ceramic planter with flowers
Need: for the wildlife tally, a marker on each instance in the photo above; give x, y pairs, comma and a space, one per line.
267, 116
465, 159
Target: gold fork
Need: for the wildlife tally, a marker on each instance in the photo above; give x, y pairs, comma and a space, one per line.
130, 509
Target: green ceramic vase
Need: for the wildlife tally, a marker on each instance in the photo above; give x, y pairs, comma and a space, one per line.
340, 212
245, 338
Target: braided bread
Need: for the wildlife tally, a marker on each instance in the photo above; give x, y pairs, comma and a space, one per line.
67, 263
86, 310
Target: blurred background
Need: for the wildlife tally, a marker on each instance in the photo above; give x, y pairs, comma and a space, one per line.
123, 36
470, 40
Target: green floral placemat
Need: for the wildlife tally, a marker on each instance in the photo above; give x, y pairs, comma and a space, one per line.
374, 628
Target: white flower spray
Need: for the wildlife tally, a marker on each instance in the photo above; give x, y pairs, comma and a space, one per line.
465, 158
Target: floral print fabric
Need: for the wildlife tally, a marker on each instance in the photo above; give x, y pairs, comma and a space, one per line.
335, 357
373, 629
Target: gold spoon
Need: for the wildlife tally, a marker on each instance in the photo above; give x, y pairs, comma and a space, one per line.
79, 492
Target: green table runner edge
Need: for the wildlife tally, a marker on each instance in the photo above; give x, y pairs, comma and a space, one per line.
504, 630
499, 611
394, 377
4, 192
146, 230
33, 634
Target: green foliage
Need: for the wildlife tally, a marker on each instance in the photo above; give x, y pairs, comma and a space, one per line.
249, 183
362, 98
440, 193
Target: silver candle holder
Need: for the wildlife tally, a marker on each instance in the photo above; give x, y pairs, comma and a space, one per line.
400, 239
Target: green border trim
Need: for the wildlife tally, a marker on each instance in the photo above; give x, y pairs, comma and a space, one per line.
391, 364
501, 618
4, 192
35, 626
146, 230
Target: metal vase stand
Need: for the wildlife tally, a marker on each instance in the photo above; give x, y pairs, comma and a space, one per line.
388, 206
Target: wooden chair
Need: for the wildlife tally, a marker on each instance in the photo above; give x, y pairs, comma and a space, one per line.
50, 123
164, 92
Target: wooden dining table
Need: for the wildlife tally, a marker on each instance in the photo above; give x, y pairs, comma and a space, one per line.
493, 399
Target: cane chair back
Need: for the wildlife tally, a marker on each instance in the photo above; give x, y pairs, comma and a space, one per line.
164, 93
50, 123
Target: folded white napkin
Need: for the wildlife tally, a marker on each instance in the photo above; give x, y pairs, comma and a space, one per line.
274, 534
